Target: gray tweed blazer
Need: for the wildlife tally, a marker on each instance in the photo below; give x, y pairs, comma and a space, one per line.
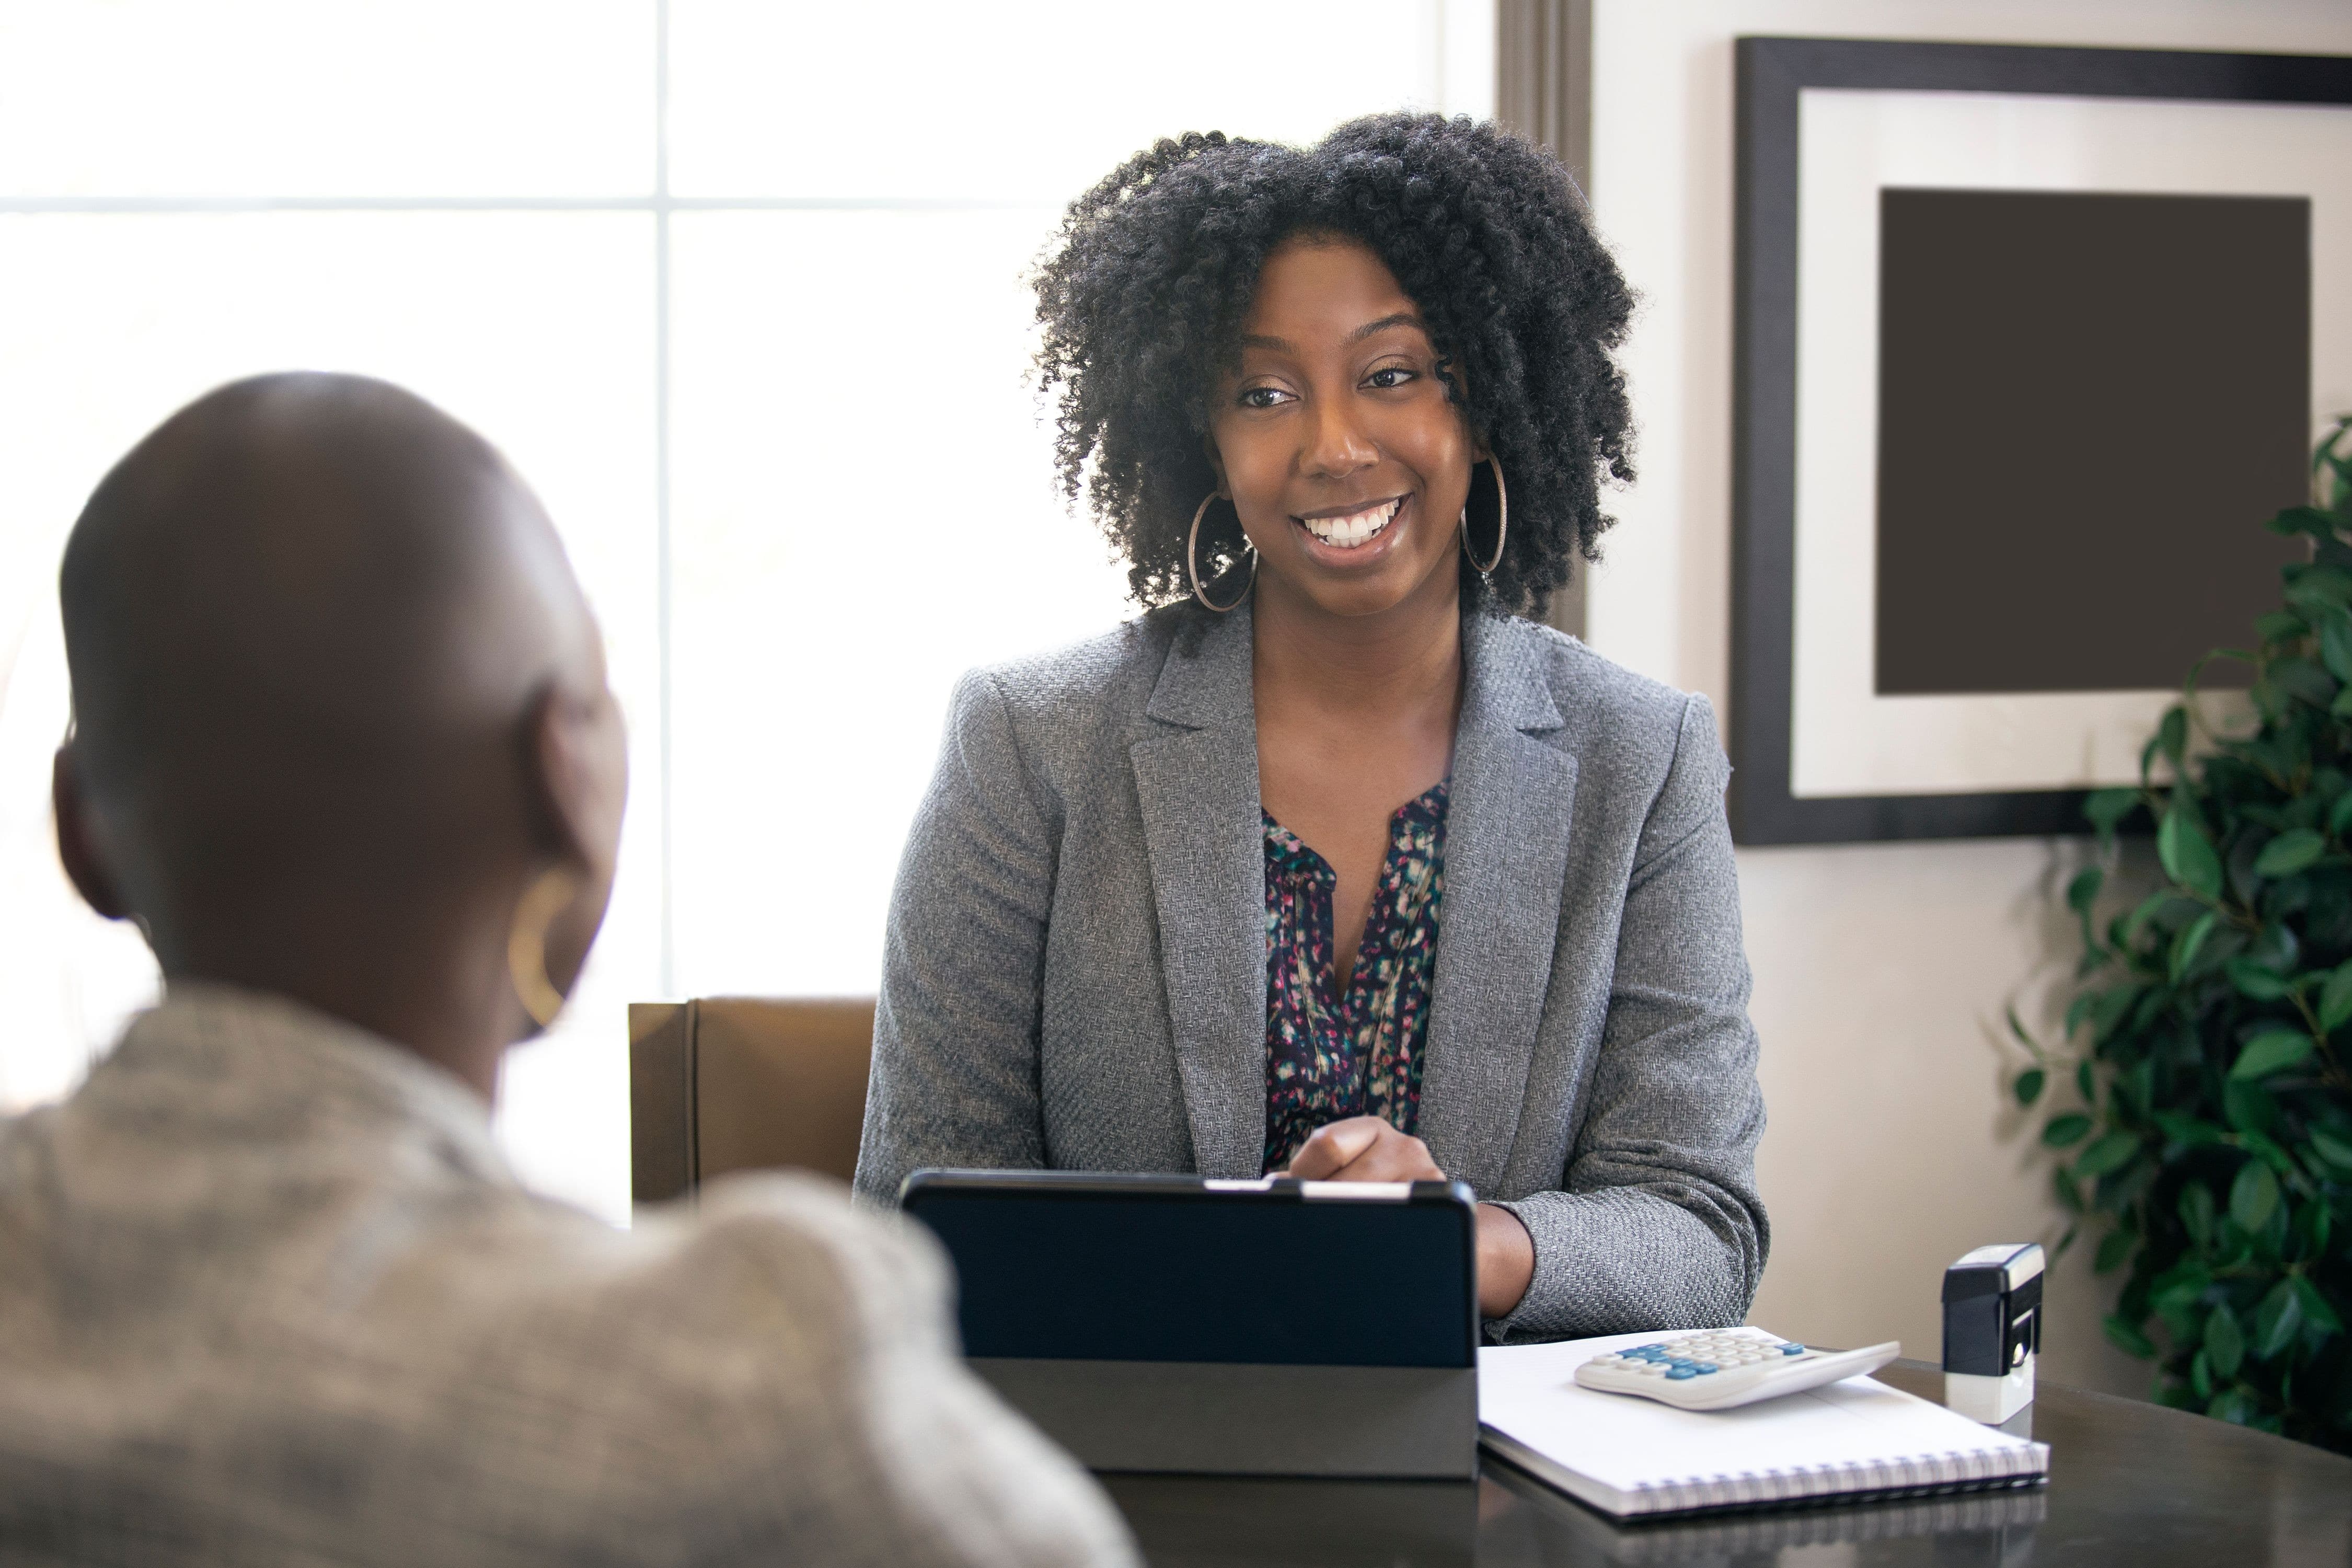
1075, 969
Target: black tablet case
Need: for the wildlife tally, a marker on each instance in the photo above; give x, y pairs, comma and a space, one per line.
1165, 1323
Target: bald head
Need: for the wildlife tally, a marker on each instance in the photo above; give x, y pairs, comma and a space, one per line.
308, 620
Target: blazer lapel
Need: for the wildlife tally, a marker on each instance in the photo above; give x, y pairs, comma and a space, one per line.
1196, 779
1506, 838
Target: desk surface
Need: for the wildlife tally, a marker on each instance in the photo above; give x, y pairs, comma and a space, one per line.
2130, 1483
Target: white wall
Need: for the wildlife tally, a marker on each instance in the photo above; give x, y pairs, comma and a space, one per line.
1881, 971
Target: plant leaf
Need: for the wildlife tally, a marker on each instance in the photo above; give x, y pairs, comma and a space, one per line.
2304, 519
2299, 677
2188, 1130
2291, 851
2188, 854
2127, 1338
2339, 816
2319, 1220
2186, 945
2029, 1085
2197, 1212
2321, 585
2172, 733
2276, 1320
2254, 1197
2062, 1182
2114, 1249
2279, 625
2225, 1341
2248, 1106
2335, 644
2336, 997
2263, 1148
2111, 1152
2232, 1405
2272, 1051
2108, 807
2144, 912
2335, 1151
2067, 1131
2253, 980
2317, 1310
2086, 1084
2078, 1010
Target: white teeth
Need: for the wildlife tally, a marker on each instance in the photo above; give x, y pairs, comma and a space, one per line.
1356, 528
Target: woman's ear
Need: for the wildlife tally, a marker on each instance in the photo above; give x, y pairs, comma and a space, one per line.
579, 747
580, 778
77, 838
1216, 463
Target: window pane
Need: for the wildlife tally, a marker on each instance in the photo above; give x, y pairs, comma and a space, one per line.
535, 327
943, 98
357, 98
863, 509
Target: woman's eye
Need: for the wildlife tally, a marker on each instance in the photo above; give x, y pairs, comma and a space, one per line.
1389, 375
1261, 397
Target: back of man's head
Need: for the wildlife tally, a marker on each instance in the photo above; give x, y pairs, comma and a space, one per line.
306, 619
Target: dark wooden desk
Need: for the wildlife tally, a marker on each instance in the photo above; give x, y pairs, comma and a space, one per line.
2131, 1484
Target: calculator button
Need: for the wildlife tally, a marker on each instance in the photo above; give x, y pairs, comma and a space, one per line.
1678, 1374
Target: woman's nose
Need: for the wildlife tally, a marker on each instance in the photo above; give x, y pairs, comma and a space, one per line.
1336, 447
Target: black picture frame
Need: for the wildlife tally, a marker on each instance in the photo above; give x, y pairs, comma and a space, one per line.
1771, 73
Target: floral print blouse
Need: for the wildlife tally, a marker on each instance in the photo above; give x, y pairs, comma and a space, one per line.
1330, 1057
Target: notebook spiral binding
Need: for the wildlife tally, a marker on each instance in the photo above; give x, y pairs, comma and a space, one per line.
1919, 1474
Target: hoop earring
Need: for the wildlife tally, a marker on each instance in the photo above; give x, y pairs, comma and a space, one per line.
1502, 528
527, 945
1193, 562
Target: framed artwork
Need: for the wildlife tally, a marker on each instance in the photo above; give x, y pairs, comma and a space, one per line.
2029, 344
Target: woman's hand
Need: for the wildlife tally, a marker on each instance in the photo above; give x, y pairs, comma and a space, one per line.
1363, 1149
1367, 1149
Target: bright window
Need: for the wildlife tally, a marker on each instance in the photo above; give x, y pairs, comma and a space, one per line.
737, 285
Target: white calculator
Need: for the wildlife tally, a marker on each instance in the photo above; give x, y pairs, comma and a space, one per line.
1722, 1368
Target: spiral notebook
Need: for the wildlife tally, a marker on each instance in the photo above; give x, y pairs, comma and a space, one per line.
1633, 1456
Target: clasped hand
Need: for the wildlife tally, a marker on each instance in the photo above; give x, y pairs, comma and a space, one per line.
1368, 1149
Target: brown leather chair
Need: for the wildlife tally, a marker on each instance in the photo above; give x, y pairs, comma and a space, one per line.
739, 1083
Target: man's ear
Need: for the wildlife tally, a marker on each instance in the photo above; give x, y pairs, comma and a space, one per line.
77, 838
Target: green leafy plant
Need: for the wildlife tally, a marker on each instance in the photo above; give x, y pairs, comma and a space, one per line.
2209, 1038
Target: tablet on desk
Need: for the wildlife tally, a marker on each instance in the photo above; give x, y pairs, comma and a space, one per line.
1268, 1327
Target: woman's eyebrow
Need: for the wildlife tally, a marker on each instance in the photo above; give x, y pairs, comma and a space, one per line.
1284, 346
1401, 319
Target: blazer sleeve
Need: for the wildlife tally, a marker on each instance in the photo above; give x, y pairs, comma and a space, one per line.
1658, 1224
954, 1079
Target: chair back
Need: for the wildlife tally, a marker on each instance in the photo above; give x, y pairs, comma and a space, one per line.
741, 1083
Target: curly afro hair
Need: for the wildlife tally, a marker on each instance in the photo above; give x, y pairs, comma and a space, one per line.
1144, 290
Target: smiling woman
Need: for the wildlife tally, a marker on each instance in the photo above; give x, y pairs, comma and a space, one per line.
1329, 863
